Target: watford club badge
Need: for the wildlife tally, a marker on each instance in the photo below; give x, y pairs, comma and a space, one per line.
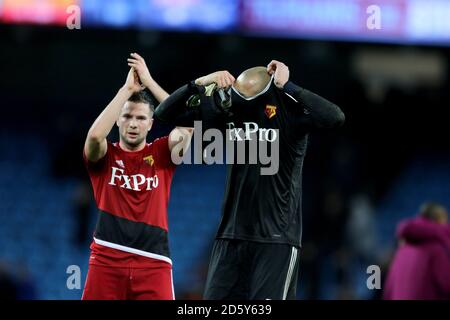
270, 111
149, 160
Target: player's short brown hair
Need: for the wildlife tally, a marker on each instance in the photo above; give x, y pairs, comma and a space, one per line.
143, 97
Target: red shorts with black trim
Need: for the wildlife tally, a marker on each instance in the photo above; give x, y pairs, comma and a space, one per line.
115, 283
131, 279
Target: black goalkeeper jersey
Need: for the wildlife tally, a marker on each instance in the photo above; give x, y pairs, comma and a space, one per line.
257, 207
268, 208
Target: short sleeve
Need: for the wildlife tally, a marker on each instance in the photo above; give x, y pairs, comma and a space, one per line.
100, 165
164, 159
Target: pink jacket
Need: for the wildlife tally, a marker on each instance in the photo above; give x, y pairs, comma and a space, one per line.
420, 269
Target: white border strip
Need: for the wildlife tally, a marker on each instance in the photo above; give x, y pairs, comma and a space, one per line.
171, 279
291, 97
132, 250
290, 271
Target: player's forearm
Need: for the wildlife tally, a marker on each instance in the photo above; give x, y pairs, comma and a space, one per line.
105, 121
187, 137
174, 105
158, 92
324, 113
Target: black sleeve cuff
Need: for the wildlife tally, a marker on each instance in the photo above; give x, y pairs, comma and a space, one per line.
194, 89
292, 89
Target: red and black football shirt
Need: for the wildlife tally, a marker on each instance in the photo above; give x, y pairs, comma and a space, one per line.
131, 190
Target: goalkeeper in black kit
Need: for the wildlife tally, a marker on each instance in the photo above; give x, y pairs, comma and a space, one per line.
256, 251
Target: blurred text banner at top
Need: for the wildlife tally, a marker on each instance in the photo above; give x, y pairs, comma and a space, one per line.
400, 21
183, 15
33, 11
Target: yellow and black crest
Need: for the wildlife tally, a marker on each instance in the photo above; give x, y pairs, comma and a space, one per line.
270, 111
149, 160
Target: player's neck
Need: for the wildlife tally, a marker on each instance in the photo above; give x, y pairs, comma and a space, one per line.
129, 148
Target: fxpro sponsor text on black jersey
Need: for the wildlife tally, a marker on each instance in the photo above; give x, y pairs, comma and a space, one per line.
268, 208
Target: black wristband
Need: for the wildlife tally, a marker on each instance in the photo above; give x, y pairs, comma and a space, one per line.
291, 88
194, 89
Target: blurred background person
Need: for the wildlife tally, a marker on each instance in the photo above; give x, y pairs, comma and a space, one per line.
82, 207
420, 269
8, 285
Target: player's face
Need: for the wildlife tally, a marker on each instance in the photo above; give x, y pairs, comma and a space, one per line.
134, 123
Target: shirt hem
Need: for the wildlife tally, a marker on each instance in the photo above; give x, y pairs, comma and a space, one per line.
257, 239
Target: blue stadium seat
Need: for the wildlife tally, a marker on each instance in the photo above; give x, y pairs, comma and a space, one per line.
425, 179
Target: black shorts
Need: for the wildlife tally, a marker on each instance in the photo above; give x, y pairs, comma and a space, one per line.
247, 270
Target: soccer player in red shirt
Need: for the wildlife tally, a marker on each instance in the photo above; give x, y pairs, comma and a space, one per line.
131, 182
